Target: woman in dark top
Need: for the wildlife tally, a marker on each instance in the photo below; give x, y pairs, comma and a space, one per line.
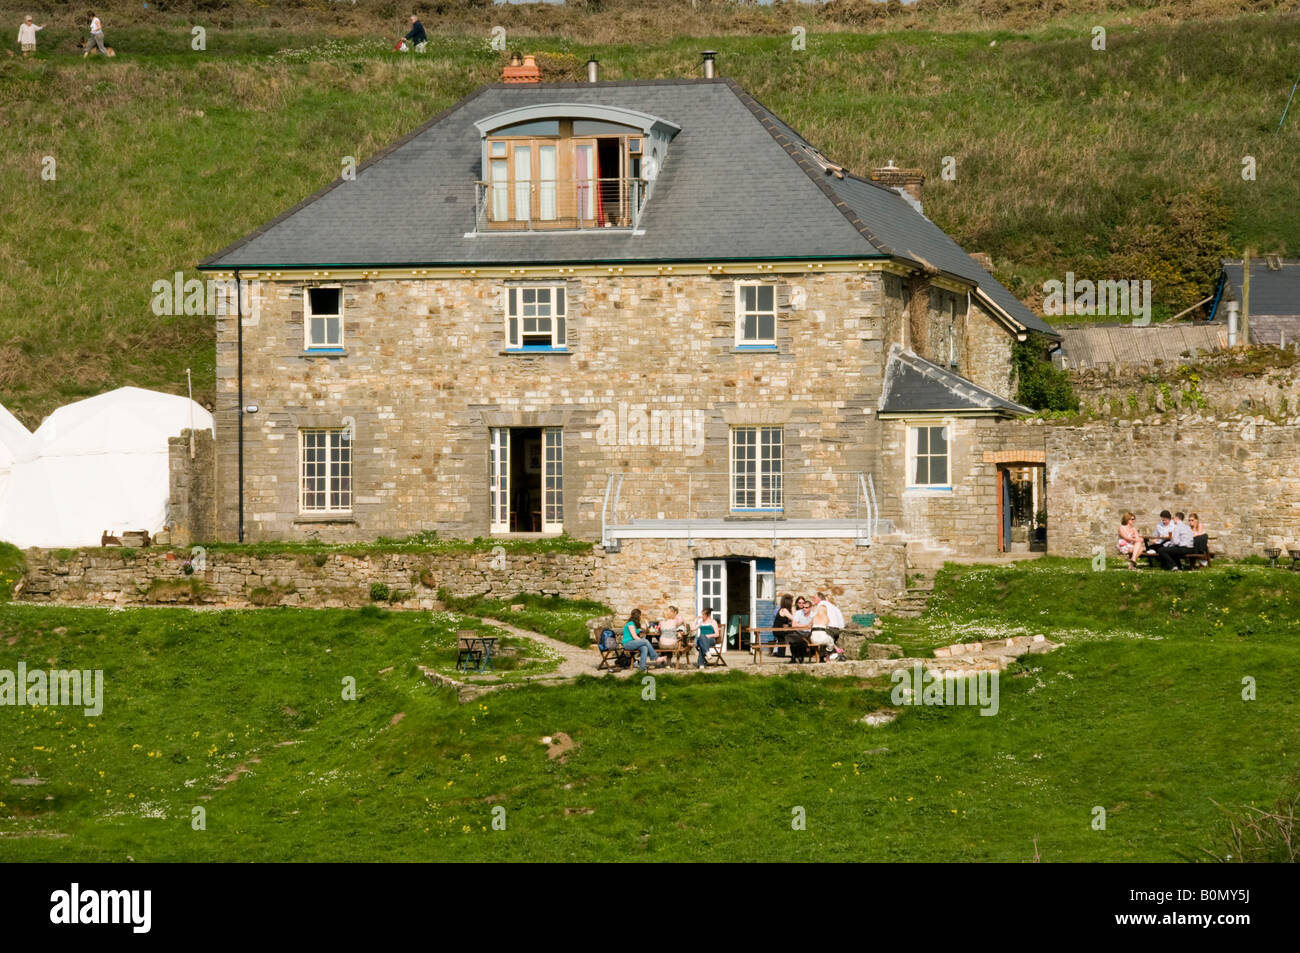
784, 619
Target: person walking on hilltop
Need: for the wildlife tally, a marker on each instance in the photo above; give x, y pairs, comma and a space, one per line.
27, 36
96, 37
416, 36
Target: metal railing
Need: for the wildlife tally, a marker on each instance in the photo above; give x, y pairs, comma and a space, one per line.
551, 204
687, 503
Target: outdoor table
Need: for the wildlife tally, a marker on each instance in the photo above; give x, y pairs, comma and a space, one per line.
780, 632
476, 646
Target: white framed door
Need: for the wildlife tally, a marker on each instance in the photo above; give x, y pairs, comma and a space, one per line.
711, 593
499, 479
552, 480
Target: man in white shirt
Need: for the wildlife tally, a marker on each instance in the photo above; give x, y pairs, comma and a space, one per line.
1180, 544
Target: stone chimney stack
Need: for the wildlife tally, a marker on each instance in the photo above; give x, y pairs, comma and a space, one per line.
908, 181
525, 71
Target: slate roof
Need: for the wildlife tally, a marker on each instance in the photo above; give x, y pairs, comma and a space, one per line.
915, 385
738, 184
1273, 291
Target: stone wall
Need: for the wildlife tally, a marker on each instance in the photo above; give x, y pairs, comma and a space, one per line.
1127, 392
964, 519
424, 376
1241, 475
646, 573
192, 500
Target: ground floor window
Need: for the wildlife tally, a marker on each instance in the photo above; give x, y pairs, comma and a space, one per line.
928, 456
326, 457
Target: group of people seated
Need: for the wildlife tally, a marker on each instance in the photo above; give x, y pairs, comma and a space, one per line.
818, 616
1176, 536
671, 632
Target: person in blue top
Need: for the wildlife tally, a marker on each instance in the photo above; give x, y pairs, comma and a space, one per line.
634, 642
706, 632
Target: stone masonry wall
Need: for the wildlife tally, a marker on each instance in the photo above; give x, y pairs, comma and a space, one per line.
646, 573
1241, 475
424, 376
192, 498
963, 520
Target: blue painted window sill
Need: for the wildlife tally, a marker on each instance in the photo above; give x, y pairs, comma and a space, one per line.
761, 348
324, 352
537, 350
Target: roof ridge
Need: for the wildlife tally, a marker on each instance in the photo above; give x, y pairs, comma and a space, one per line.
325, 190
765, 117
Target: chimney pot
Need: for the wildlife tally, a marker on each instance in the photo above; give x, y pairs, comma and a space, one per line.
593, 70
525, 72
709, 66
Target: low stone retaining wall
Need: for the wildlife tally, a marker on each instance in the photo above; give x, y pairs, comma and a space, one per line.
329, 580
648, 573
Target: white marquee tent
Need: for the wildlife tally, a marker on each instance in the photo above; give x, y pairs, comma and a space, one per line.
14, 442
99, 464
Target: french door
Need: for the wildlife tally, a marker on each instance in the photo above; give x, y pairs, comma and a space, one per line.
552, 480
711, 593
508, 501
499, 479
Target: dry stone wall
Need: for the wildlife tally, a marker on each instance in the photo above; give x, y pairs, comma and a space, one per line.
646, 573
1240, 474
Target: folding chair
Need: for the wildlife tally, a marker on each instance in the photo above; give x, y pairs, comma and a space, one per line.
610, 650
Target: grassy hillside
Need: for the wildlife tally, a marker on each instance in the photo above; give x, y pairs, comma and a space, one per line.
1123, 162
242, 714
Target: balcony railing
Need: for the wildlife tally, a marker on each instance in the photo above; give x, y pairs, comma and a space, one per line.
691, 504
551, 204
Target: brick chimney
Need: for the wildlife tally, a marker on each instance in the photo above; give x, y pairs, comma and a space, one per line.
522, 72
908, 180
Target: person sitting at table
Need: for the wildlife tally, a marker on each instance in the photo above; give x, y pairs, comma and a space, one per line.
634, 642
1130, 542
1180, 544
706, 632
820, 626
1200, 535
802, 613
669, 629
784, 619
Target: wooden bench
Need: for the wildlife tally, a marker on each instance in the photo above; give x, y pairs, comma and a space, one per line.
782, 634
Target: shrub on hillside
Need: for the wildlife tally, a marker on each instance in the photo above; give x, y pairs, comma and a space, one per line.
1038, 384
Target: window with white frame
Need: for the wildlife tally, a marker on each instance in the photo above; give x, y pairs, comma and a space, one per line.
928, 450
326, 485
756, 468
323, 318
755, 314
535, 317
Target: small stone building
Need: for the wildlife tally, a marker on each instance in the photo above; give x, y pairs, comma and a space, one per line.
648, 314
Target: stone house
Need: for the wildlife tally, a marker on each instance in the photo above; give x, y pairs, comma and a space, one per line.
647, 313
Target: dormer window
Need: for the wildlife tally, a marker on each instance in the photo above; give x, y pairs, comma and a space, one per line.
568, 166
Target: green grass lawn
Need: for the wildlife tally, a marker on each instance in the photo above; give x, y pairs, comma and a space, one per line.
1140, 713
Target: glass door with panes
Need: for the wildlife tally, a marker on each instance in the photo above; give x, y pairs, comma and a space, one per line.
499, 479
711, 593
553, 480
